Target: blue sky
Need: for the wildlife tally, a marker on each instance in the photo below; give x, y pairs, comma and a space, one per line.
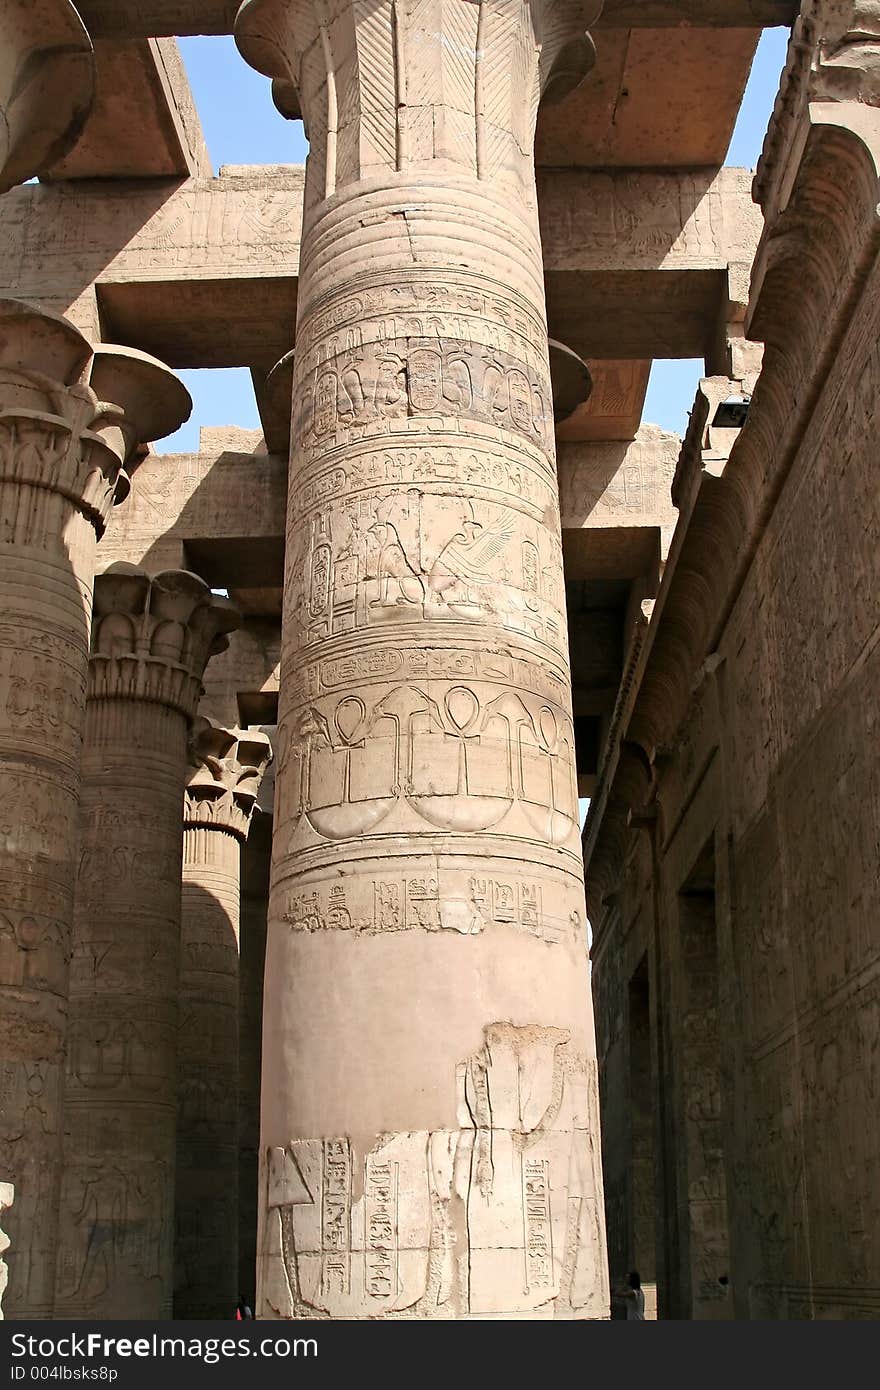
242, 127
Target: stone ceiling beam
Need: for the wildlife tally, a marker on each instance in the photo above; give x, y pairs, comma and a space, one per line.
148, 18
144, 122
204, 273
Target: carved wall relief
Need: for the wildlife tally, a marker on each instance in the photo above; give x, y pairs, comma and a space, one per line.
379, 557
490, 1219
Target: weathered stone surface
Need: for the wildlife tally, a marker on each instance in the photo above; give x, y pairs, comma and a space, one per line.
223, 783
47, 82
151, 640
70, 422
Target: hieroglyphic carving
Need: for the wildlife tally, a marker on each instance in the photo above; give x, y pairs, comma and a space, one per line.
383, 557
486, 1220
478, 898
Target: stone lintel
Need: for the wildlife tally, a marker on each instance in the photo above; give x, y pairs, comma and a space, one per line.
204, 273
150, 17
143, 122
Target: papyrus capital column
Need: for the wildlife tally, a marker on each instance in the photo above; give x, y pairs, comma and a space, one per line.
429, 1141
47, 81
151, 639
223, 783
64, 450
388, 87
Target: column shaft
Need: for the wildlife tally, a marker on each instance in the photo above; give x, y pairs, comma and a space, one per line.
256, 857
46, 569
121, 1100
206, 1277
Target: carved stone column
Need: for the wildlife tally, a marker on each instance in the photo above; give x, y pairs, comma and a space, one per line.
429, 1123
69, 420
151, 639
222, 788
47, 81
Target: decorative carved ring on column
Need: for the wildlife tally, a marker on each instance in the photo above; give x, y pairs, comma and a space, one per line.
47, 84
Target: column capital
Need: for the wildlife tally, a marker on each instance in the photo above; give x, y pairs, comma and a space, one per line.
72, 418
47, 84
383, 86
152, 636
224, 776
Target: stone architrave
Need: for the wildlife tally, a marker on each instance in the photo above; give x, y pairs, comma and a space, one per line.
70, 421
429, 1117
47, 84
223, 783
151, 640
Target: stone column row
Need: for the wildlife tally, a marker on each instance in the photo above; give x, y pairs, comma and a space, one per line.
151, 640
71, 422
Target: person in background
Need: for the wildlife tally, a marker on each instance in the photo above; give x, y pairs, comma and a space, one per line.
634, 1297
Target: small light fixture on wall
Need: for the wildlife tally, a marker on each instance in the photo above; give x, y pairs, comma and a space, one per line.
732, 413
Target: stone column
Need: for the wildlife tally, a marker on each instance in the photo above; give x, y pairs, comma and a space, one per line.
227, 766
47, 82
256, 860
429, 1121
69, 420
151, 639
